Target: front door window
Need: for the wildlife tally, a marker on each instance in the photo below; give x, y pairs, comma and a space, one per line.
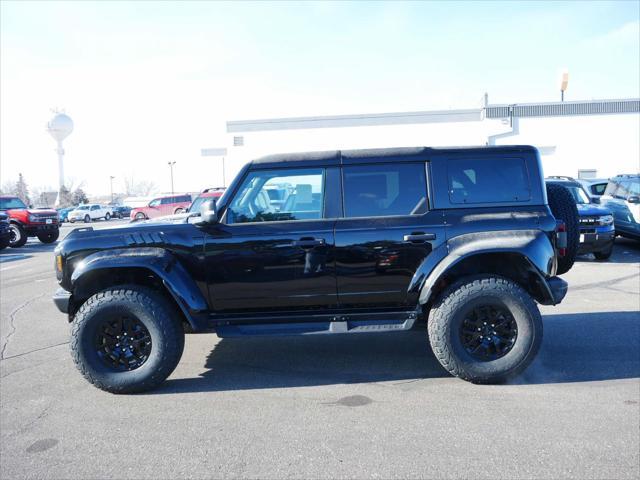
279, 195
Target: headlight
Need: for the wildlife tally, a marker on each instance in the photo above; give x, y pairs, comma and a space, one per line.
33, 218
605, 220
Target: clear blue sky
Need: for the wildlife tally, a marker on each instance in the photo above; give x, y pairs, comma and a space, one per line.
148, 81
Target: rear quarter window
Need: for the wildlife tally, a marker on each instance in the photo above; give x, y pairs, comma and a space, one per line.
502, 180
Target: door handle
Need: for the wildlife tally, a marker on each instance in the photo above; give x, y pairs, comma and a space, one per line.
419, 237
308, 242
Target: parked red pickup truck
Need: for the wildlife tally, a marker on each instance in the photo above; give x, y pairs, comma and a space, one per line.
29, 222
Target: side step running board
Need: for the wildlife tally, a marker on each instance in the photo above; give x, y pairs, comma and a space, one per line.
392, 322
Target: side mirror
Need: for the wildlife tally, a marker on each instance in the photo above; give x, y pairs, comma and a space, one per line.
209, 212
633, 199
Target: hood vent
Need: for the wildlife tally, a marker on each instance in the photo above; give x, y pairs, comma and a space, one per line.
145, 238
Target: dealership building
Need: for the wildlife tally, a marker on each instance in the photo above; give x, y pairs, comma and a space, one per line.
588, 139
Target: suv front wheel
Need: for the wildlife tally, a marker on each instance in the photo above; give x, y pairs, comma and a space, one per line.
48, 237
127, 339
485, 329
18, 236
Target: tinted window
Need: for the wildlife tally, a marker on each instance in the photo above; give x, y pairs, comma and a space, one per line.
598, 188
95, 207
304, 196
627, 188
167, 200
384, 190
488, 181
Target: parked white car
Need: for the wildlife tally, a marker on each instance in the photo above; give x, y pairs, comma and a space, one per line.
89, 212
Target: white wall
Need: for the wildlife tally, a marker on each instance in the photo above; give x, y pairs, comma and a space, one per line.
608, 143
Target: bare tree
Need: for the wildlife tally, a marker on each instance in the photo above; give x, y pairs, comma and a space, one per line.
8, 187
135, 189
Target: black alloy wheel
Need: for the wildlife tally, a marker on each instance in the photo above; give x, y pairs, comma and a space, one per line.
488, 332
123, 344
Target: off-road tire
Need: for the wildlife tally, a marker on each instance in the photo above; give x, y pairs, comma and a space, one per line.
19, 236
448, 313
563, 206
48, 237
4, 243
159, 317
604, 254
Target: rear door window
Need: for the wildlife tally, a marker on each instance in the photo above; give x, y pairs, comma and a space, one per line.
384, 190
500, 180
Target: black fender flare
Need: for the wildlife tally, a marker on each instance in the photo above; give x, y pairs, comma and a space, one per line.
162, 263
532, 245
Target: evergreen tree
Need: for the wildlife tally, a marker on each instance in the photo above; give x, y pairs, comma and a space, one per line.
22, 190
79, 196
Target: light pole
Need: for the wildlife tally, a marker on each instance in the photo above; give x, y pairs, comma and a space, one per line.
111, 177
216, 152
171, 164
564, 82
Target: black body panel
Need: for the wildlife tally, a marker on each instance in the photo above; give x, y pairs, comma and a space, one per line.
335, 266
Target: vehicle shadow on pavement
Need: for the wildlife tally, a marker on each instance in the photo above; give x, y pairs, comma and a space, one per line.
585, 347
624, 251
282, 362
29, 247
576, 348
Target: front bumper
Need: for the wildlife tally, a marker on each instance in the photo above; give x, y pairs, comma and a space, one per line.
32, 229
62, 299
595, 242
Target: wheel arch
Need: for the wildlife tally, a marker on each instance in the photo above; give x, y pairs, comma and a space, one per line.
150, 267
526, 257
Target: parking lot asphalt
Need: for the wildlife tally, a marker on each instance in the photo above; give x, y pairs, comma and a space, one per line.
361, 406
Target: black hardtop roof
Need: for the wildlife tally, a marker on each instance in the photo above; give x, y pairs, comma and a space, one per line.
372, 155
563, 181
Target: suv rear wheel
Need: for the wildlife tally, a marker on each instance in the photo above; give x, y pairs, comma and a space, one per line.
485, 329
18, 236
563, 206
127, 339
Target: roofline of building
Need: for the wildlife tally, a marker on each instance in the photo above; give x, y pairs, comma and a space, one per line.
542, 109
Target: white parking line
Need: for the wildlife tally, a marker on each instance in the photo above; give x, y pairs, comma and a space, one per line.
4, 269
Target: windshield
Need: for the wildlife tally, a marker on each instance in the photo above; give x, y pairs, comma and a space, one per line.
579, 196
84, 207
9, 203
197, 203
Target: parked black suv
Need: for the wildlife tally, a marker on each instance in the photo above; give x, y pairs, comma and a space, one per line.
365, 241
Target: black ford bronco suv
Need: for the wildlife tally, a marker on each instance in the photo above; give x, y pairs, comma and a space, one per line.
338, 242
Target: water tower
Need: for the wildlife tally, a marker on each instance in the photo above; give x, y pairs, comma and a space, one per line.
60, 127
